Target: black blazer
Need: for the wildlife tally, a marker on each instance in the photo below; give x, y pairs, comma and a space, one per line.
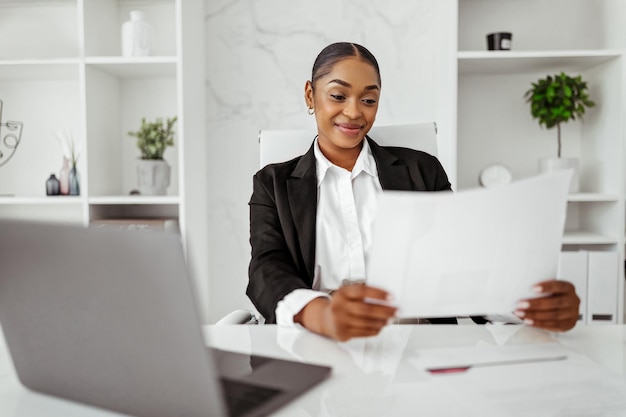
283, 211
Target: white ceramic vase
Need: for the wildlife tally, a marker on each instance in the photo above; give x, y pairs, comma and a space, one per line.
554, 164
153, 176
137, 35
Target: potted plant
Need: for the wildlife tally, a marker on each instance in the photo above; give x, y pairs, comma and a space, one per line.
153, 138
554, 100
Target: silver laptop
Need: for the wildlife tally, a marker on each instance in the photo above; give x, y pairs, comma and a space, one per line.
108, 318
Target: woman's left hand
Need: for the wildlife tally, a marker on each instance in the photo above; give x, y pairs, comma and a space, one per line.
556, 310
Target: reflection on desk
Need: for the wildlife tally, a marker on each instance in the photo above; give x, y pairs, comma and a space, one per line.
383, 375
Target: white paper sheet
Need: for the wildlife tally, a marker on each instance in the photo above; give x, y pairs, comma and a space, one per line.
471, 252
574, 387
487, 355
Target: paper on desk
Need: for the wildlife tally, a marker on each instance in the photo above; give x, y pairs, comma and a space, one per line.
576, 386
487, 355
471, 252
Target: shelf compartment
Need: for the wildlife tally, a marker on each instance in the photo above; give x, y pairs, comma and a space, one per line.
532, 23
495, 125
42, 29
43, 106
106, 16
116, 106
513, 62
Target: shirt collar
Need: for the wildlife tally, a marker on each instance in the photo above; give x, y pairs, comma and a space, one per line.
364, 163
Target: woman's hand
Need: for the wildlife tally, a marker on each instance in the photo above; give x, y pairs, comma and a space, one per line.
347, 314
556, 310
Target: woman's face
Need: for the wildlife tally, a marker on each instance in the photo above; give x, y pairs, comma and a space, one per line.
345, 102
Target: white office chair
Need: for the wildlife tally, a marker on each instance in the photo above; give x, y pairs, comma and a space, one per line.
283, 145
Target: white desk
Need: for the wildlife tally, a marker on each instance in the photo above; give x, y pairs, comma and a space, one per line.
378, 376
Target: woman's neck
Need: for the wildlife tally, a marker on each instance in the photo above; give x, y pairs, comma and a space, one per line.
342, 157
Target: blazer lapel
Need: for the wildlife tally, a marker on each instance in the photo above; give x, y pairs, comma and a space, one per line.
302, 196
391, 174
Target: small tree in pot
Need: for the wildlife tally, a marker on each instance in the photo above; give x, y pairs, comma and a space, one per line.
153, 138
554, 100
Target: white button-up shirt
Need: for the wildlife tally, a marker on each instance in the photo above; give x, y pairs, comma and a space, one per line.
346, 204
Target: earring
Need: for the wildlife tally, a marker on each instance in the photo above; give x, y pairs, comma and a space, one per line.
311, 111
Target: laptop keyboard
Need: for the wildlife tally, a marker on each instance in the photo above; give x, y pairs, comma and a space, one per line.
242, 397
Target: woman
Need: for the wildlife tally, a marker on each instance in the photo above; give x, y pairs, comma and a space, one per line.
311, 217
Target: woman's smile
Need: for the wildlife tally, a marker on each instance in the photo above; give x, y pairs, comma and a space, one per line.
350, 129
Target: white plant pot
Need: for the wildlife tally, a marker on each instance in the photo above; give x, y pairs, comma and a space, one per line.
555, 164
153, 176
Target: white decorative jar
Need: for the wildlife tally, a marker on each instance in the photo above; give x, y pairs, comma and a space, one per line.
137, 35
554, 164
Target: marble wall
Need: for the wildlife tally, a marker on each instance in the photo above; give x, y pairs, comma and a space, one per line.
259, 53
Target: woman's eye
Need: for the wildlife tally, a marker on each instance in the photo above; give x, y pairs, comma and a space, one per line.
369, 101
338, 97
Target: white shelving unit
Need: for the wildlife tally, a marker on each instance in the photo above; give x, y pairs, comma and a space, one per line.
494, 122
61, 69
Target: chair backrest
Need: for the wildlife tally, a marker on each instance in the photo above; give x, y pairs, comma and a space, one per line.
283, 145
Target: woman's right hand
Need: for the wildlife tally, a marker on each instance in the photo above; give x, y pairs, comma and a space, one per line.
348, 313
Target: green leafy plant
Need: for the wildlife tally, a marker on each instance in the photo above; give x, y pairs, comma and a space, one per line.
558, 99
153, 138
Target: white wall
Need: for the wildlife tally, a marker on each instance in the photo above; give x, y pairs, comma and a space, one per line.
259, 55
